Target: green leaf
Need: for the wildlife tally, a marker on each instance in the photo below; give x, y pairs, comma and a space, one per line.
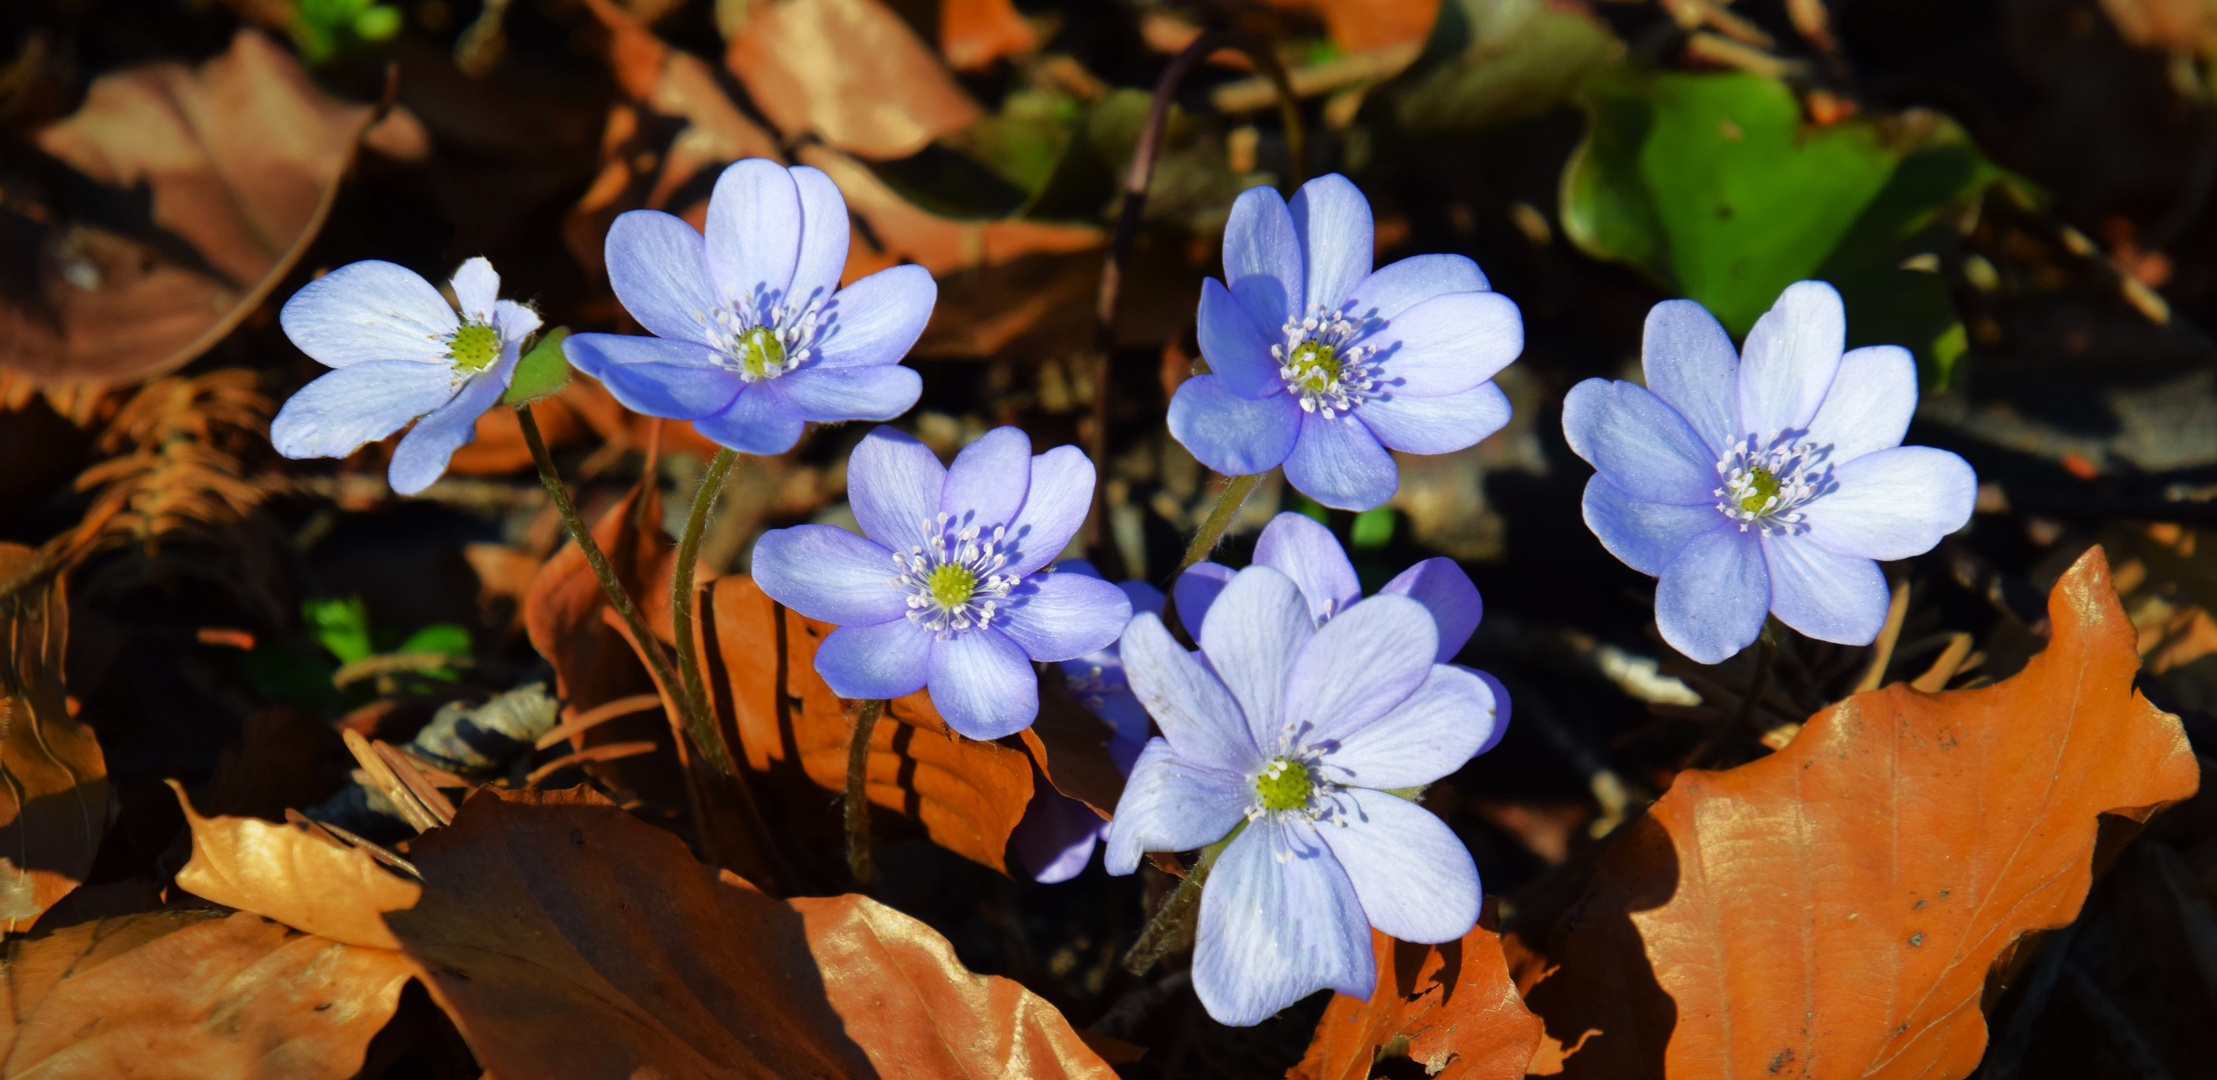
1373, 528
341, 625
377, 23
1714, 185
445, 638
541, 372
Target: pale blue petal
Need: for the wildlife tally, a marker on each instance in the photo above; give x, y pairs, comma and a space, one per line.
893, 486
1871, 402
676, 380
1279, 921
1400, 286
1357, 668
1298, 547
1262, 258
1060, 616
1447, 344
986, 484
1790, 358
1690, 364
1251, 636
1436, 425
1500, 708
515, 321
1828, 596
1646, 536
1333, 221
877, 319
658, 266
1339, 463
1143, 597
1641, 444
824, 235
1234, 435
476, 289
758, 421
1197, 589
1056, 836
831, 574
829, 395
1445, 591
1172, 803
360, 403
982, 685
1238, 353
880, 660
1189, 703
423, 453
1416, 881
1893, 504
1452, 717
754, 232
1055, 504
369, 311
1711, 599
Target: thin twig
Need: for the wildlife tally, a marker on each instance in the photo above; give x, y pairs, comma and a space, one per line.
681, 596
858, 802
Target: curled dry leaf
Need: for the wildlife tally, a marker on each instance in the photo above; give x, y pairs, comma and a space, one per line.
194, 192
801, 62
1450, 1008
567, 938
192, 994
54, 802
761, 672
1870, 874
974, 33
294, 873
1071, 746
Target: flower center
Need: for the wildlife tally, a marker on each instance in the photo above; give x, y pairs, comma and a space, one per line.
762, 343
1321, 366
953, 579
473, 347
1767, 482
1284, 785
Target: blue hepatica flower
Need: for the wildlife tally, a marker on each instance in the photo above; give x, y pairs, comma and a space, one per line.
1299, 735
400, 354
753, 335
1057, 834
1318, 363
947, 586
1763, 481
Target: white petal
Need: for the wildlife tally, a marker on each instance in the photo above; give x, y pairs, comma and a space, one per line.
1894, 504
1256, 627
1828, 596
1279, 921
369, 311
1431, 733
1690, 363
361, 403
754, 232
1872, 399
1360, 665
476, 289
1172, 804
824, 235
1333, 221
1790, 359
1191, 706
1416, 881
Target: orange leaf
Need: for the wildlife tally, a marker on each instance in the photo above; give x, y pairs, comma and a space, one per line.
192, 993
850, 71
1450, 1008
900, 231
295, 874
974, 33
567, 938
1358, 25
1834, 909
54, 803
761, 657
242, 159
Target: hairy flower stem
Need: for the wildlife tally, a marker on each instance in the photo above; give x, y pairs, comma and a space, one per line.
1171, 926
681, 594
702, 728
858, 803
1212, 532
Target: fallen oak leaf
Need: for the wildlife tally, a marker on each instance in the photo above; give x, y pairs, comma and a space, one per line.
1868, 876
1448, 1007
192, 994
798, 59
567, 938
295, 874
54, 801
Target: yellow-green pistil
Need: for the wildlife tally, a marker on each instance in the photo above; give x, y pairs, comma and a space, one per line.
761, 354
474, 346
1762, 486
951, 585
1284, 785
1315, 365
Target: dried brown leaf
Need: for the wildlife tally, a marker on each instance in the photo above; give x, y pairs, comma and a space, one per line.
239, 161
293, 873
54, 802
184, 995
1868, 876
1450, 1008
974, 33
899, 231
849, 71
567, 938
